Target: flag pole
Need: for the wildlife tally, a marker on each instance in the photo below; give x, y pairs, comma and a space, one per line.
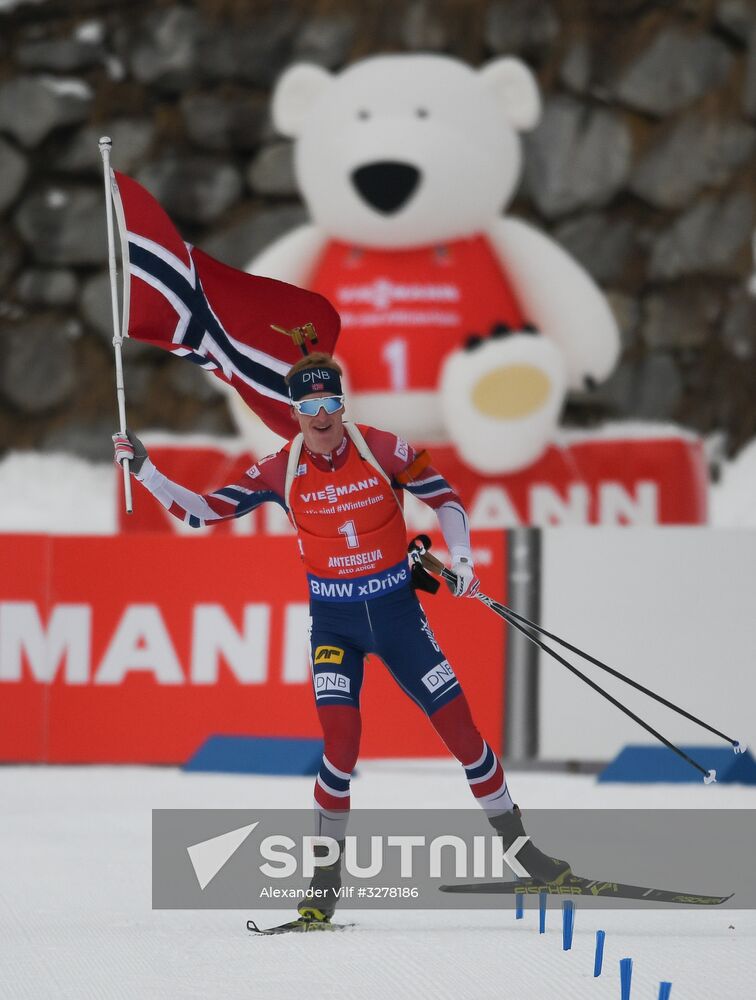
105, 145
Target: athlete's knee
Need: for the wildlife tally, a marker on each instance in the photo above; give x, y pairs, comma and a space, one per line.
342, 728
454, 724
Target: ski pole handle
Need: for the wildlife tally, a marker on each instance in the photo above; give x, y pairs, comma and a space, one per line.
432, 564
418, 551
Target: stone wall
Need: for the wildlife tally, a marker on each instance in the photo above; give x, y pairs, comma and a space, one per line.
643, 166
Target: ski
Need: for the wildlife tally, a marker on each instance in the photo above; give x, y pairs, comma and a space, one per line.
576, 885
300, 925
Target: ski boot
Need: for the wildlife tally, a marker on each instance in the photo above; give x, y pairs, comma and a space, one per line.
541, 867
324, 887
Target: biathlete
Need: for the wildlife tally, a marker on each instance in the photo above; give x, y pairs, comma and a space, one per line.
341, 486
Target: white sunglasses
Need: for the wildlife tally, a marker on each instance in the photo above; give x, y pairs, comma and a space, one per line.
311, 407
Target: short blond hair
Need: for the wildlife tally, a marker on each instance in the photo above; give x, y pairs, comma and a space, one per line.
317, 360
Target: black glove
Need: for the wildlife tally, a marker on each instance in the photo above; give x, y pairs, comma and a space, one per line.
129, 446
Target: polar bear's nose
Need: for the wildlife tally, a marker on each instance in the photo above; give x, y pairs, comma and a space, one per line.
386, 185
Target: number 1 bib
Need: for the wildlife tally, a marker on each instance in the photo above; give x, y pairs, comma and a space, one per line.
348, 520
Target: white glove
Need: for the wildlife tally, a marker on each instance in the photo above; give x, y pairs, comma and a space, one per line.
467, 582
129, 446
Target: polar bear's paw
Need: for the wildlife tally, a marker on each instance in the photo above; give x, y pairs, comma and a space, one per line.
501, 398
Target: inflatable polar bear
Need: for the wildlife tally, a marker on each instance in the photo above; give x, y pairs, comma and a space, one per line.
406, 163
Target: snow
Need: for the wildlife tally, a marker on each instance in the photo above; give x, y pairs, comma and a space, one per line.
67, 86
626, 430
90, 32
76, 922
57, 494
114, 67
7, 6
733, 499
63, 494
75, 877
55, 198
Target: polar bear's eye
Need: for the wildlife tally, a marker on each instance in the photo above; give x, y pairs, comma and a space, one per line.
422, 112
363, 115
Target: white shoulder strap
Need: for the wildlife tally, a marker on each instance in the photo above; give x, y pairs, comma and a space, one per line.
291, 468
361, 445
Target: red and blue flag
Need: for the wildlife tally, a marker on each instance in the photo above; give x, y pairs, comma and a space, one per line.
182, 300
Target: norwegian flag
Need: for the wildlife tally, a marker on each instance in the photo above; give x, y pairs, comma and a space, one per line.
179, 298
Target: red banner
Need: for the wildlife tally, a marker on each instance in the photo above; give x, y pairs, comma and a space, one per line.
611, 481
620, 480
137, 649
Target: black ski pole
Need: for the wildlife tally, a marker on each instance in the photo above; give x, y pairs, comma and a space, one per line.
498, 607
424, 557
709, 776
736, 744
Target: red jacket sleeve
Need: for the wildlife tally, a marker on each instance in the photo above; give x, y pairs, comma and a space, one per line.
264, 482
395, 455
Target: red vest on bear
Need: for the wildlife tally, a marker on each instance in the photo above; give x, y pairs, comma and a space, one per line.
404, 311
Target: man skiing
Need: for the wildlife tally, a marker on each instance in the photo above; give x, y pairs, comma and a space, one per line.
340, 485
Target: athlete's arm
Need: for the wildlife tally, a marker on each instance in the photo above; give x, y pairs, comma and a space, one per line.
413, 472
197, 509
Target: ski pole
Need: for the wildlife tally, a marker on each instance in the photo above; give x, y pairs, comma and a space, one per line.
709, 776
736, 745
437, 566
104, 145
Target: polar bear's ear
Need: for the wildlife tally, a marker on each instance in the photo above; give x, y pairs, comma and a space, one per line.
515, 90
294, 95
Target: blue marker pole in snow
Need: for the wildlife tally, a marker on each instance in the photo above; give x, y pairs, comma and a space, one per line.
665, 989
519, 905
568, 923
626, 977
598, 961
542, 898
